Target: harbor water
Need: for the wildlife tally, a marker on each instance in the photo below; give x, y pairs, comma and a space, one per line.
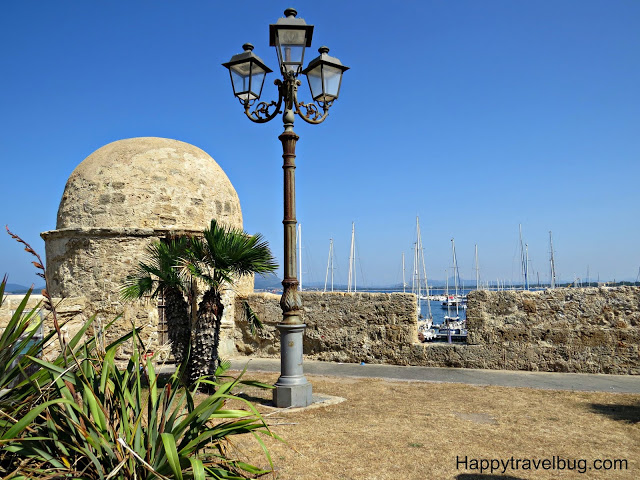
439, 312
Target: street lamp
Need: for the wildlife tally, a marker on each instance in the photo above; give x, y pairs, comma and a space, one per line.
291, 36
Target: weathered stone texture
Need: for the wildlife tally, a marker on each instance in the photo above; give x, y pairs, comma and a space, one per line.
587, 330
342, 327
119, 200
567, 330
148, 182
591, 330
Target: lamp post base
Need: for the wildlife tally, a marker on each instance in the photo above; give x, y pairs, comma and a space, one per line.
292, 388
286, 396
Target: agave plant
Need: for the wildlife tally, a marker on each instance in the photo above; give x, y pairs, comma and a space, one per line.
96, 421
18, 338
82, 416
18, 343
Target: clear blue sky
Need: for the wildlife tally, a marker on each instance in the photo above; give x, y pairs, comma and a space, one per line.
475, 115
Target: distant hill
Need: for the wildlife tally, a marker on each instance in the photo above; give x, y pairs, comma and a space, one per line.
14, 288
268, 282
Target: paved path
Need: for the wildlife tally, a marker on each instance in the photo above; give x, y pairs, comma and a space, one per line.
586, 382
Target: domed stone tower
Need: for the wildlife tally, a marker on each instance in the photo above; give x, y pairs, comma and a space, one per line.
121, 198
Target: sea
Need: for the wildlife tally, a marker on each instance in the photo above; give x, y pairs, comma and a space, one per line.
437, 311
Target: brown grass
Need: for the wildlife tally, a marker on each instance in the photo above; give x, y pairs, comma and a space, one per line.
415, 430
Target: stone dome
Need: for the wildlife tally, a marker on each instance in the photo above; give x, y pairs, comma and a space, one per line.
148, 182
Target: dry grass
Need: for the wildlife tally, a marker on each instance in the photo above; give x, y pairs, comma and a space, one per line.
414, 430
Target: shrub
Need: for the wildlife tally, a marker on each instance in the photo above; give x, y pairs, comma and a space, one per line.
81, 416
96, 421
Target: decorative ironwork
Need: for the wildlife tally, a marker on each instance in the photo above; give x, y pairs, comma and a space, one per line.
261, 114
312, 113
291, 301
287, 93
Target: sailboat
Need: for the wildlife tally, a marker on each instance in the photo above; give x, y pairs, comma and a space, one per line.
524, 259
329, 266
552, 265
351, 283
477, 270
454, 328
425, 325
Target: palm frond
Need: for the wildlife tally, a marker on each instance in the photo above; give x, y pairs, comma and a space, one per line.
252, 318
229, 252
162, 267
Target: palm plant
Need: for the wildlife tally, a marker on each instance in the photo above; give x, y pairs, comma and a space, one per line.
223, 255
81, 415
218, 259
161, 273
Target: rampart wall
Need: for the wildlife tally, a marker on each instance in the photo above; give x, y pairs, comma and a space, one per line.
594, 330
590, 330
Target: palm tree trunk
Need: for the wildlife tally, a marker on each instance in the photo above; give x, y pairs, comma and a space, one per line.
204, 355
177, 315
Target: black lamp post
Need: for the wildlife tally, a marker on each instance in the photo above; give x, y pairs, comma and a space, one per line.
290, 36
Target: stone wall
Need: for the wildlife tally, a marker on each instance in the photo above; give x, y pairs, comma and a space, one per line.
594, 330
590, 330
94, 262
341, 327
70, 315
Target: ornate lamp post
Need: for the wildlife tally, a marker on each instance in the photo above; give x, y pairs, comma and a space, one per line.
290, 36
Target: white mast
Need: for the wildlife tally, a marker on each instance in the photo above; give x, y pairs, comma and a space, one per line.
424, 268
588, 283
352, 261
329, 265
300, 256
455, 271
552, 265
526, 265
523, 261
404, 283
477, 270
415, 279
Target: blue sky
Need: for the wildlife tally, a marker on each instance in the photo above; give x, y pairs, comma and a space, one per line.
477, 116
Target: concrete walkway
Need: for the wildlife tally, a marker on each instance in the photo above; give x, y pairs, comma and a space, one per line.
585, 382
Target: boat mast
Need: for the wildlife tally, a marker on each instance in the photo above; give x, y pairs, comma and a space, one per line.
300, 256
404, 283
416, 261
552, 264
420, 250
352, 260
588, 283
526, 264
455, 272
477, 270
329, 264
416, 277
524, 260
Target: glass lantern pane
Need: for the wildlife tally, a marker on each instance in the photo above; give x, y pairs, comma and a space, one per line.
331, 76
239, 81
256, 82
315, 82
291, 45
293, 37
